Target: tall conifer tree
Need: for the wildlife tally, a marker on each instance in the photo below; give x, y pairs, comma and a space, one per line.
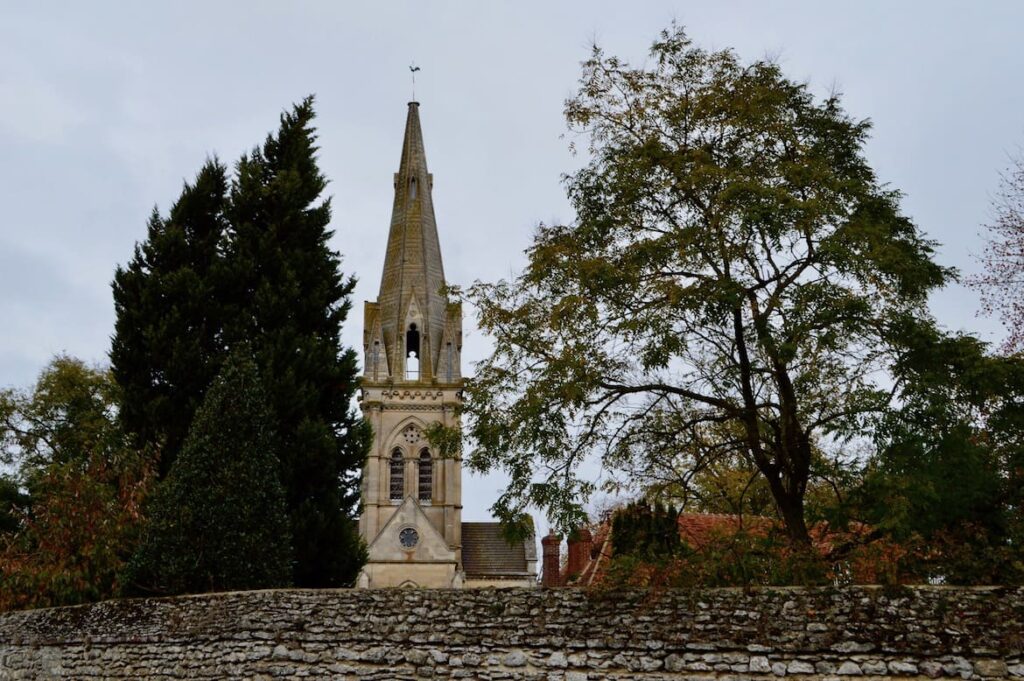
252, 265
167, 344
292, 300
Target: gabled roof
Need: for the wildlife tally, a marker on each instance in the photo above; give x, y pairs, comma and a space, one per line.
485, 552
431, 547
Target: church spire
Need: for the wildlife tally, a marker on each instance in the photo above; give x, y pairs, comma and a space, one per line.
412, 310
412, 380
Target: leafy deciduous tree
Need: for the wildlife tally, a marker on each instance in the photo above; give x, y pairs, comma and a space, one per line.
1002, 283
950, 464
734, 262
78, 493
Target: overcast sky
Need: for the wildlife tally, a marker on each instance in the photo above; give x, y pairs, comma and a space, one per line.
106, 108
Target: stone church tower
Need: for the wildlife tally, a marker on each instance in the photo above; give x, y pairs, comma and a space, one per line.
412, 340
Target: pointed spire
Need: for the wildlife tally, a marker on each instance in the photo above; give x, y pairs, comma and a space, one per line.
413, 272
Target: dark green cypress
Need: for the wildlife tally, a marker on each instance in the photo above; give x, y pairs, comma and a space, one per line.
646, 531
252, 266
291, 300
218, 521
167, 344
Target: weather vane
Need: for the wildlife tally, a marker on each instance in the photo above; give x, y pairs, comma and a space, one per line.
413, 69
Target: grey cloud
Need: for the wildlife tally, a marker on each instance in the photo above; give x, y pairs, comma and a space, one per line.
107, 107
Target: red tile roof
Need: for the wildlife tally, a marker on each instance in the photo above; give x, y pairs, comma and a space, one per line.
701, 530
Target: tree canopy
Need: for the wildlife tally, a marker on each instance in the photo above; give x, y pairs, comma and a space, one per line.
218, 521
290, 300
949, 466
74, 503
734, 284
168, 341
245, 260
1001, 283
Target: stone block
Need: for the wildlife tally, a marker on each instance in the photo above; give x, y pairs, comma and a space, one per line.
557, 659
991, 668
759, 665
873, 667
958, 666
903, 668
516, 658
800, 667
853, 647
416, 657
849, 668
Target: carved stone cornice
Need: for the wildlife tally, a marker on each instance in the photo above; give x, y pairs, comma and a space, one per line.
411, 394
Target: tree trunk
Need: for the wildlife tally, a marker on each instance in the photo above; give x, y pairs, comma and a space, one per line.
791, 508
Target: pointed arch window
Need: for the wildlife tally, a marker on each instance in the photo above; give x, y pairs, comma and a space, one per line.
397, 479
426, 477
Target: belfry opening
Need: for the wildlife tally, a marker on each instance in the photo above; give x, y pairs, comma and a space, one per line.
412, 352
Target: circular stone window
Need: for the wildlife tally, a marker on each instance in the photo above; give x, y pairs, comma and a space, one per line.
409, 537
412, 434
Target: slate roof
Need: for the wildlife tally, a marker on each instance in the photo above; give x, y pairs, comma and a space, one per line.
486, 553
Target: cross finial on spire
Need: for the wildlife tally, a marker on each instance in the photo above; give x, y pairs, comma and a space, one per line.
413, 69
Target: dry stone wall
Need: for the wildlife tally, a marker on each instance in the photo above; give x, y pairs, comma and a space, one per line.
565, 634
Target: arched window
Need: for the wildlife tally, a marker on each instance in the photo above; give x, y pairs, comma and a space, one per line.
412, 352
426, 486
397, 478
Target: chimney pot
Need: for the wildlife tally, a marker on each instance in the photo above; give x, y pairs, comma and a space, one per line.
551, 547
580, 545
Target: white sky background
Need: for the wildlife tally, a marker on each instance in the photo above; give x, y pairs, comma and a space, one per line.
106, 108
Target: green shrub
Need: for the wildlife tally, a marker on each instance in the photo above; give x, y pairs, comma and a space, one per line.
218, 521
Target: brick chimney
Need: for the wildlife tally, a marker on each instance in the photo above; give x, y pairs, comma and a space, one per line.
580, 544
551, 547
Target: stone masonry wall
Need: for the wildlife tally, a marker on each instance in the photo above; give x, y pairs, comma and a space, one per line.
570, 634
